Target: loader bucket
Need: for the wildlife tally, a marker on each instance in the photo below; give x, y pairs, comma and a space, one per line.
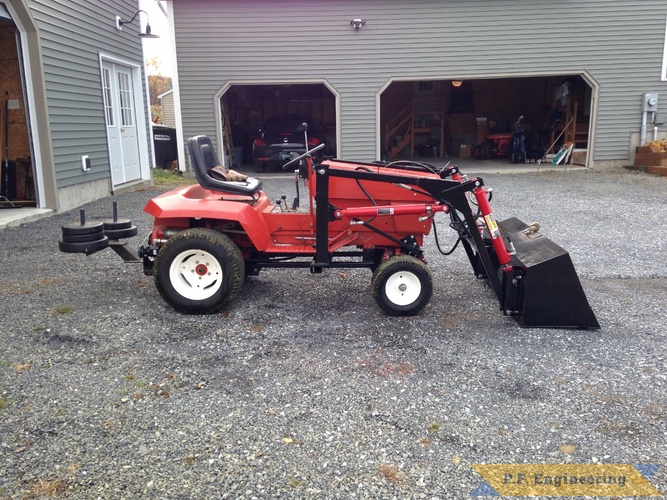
544, 290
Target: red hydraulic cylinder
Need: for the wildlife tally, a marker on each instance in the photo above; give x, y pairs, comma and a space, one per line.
482, 197
424, 209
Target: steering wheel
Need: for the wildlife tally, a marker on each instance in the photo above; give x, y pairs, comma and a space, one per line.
301, 157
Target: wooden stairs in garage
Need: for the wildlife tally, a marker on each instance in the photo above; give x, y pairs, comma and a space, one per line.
577, 132
419, 124
572, 131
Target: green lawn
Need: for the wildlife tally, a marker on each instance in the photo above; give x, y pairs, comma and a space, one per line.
167, 179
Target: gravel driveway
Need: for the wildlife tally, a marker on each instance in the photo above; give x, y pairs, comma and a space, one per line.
303, 388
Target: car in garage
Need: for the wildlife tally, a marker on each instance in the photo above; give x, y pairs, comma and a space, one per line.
281, 139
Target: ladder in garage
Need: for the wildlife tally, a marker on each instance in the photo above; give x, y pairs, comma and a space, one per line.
573, 132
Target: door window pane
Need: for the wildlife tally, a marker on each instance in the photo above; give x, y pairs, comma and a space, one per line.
106, 91
125, 98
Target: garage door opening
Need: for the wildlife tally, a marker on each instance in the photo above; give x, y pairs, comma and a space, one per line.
246, 110
17, 168
475, 118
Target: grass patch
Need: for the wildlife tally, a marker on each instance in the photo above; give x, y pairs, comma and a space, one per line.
295, 482
166, 179
62, 309
390, 472
434, 427
46, 488
4, 402
131, 378
425, 442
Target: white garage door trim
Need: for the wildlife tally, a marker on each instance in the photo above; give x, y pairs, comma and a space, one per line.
595, 92
220, 93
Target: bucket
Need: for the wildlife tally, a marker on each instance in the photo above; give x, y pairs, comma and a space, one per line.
543, 290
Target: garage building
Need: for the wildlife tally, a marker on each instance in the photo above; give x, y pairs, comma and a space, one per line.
389, 79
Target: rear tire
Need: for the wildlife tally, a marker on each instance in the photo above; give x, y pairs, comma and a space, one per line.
259, 166
199, 271
402, 286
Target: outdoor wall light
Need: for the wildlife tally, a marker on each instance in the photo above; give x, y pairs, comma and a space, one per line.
146, 34
457, 83
357, 23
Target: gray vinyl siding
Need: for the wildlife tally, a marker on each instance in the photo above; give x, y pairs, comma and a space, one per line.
618, 43
73, 33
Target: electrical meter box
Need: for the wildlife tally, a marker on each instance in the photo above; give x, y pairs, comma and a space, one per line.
650, 102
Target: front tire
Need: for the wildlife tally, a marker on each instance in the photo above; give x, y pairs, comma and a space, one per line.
199, 271
402, 286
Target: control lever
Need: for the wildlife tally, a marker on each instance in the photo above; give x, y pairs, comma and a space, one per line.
295, 203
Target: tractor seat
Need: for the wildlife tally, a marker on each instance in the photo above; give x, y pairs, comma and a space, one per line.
203, 159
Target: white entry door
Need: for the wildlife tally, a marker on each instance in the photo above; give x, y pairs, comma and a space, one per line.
120, 113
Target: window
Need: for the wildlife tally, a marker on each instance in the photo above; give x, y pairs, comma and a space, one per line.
106, 90
124, 88
427, 87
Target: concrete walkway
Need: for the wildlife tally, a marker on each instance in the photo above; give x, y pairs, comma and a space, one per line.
10, 217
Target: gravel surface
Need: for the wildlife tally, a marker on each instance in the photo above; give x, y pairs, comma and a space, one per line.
304, 388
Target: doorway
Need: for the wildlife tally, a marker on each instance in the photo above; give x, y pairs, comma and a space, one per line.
463, 118
17, 179
246, 107
119, 84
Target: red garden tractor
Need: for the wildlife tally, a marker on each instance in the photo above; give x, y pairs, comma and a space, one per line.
208, 237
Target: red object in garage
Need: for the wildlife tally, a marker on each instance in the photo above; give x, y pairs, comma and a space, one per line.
500, 144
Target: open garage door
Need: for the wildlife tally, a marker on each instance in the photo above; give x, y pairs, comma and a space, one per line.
246, 109
18, 176
463, 118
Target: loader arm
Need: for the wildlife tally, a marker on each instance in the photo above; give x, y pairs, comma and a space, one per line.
536, 283
444, 191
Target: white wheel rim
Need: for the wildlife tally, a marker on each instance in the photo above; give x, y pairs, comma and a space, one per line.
195, 274
403, 288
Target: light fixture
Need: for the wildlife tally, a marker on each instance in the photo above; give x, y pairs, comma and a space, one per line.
357, 23
457, 83
146, 34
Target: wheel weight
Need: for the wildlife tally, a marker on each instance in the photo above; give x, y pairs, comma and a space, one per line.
82, 237
87, 247
83, 229
119, 234
117, 229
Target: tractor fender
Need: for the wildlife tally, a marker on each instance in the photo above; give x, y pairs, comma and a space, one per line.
195, 202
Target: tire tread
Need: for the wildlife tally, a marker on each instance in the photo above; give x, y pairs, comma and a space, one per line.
209, 240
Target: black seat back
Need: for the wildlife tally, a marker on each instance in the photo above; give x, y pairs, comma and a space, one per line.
203, 159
